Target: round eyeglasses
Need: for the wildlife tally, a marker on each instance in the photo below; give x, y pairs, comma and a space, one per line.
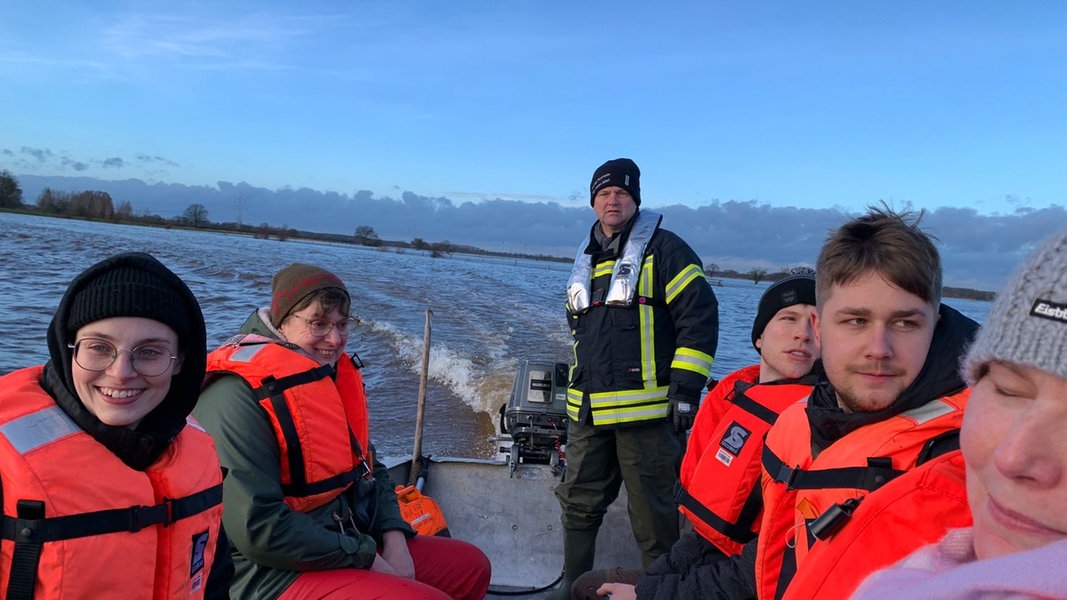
322, 327
149, 360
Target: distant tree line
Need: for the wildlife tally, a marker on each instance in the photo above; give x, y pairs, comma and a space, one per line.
98, 205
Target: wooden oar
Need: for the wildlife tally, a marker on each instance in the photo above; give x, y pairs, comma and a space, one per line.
416, 465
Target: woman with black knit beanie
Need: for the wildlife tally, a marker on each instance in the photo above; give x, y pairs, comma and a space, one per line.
108, 491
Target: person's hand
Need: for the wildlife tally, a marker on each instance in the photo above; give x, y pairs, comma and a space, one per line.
395, 552
683, 413
381, 565
618, 591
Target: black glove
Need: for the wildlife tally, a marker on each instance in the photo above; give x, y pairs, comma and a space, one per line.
682, 412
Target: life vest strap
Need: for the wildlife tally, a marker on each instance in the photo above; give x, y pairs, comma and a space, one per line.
878, 472
339, 481
273, 386
740, 532
30, 530
273, 389
749, 405
131, 519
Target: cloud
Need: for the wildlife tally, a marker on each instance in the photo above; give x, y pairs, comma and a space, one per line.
41, 154
112, 163
978, 251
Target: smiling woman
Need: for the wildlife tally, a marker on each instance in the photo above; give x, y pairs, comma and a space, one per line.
95, 437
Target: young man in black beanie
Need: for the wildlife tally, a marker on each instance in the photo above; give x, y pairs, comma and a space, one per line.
97, 436
645, 323
719, 483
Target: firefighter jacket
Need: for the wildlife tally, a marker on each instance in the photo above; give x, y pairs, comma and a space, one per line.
931, 499
79, 523
648, 331
719, 487
320, 425
804, 494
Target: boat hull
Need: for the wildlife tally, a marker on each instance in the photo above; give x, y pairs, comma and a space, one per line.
514, 518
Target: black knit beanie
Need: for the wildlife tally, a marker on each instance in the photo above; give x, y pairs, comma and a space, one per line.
795, 289
129, 290
621, 172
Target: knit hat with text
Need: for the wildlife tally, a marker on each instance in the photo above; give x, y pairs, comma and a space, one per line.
621, 172
1028, 322
795, 289
296, 282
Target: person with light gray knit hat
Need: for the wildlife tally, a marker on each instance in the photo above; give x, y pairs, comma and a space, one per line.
1028, 322
1014, 453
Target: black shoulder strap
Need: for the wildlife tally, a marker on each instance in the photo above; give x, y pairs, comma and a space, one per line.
878, 472
944, 443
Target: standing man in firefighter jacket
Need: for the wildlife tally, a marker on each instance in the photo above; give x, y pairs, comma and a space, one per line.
719, 489
892, 398
312, 511
109, 489
645, 325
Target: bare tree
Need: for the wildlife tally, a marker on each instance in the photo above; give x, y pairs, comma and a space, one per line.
711, 269
366, 236
757, 275
195, 215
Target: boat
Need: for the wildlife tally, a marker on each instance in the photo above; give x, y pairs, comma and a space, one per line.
505, 505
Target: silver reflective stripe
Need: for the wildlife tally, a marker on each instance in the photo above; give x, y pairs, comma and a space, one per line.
37, 429
627, 268
578, 284
929, 411
246, 353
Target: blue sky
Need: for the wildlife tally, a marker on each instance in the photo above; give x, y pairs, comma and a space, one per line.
809, 104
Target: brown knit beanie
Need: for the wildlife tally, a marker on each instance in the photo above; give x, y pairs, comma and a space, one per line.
1028, 322
294, 283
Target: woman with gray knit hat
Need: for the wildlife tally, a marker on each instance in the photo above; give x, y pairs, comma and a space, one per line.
106, 490
311, 511
1014, 458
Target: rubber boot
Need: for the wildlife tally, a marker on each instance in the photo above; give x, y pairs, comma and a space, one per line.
579, 550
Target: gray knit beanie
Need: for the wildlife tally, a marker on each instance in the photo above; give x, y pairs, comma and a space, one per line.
1028, 323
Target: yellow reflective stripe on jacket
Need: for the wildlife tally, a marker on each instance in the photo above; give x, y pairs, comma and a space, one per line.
692, 360
604, 268
681, 280
623, 406
627, 406
646, 319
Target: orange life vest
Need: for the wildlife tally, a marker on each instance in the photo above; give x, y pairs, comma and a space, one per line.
321, 425
720, 475
927, 501
79, 523
421, 512
798, 489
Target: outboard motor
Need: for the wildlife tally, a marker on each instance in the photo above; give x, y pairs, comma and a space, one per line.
536, 414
